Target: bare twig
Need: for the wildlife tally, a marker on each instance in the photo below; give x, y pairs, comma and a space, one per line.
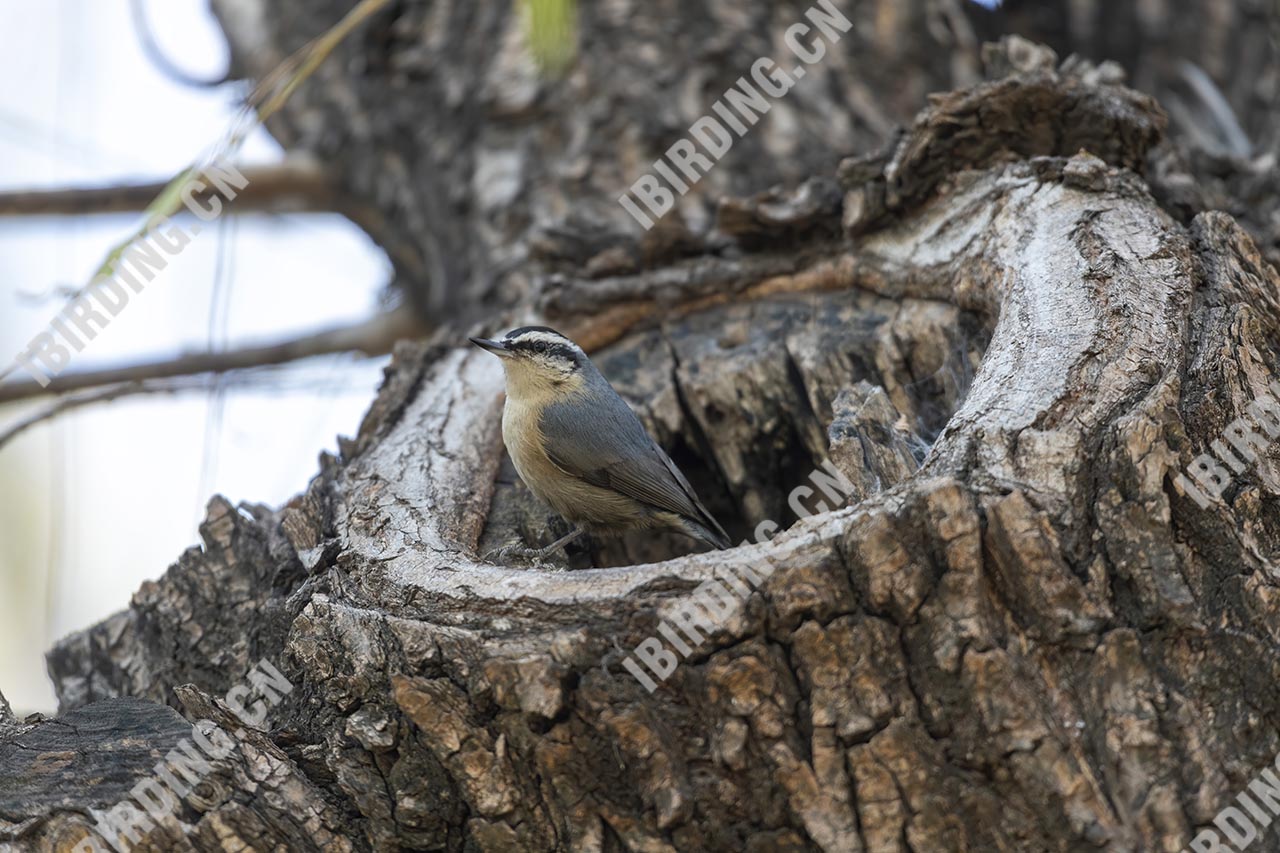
66, 404
267, 98
1231, 134
375, 336
295, 185
257, 379
275, 89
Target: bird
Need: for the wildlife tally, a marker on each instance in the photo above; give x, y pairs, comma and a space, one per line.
581, 450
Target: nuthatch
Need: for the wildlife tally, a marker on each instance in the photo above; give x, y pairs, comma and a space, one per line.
581, 449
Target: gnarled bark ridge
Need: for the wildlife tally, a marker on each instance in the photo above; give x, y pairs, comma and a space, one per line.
1018, 635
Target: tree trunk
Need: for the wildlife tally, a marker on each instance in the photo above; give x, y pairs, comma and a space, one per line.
1010, 330
482, 176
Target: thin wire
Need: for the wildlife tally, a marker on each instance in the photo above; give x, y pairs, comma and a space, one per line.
155, 53
59, 451
216, 335
59, 146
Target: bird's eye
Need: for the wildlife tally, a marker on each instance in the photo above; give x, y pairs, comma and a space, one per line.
540, 346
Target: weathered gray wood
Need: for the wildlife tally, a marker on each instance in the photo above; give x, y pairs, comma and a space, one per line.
59, 777
484, 175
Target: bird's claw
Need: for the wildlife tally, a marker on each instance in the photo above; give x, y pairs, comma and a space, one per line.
535, 556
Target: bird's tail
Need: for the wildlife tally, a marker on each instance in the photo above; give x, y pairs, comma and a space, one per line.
717, 538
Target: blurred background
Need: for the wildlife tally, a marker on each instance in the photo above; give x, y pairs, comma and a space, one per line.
80, 526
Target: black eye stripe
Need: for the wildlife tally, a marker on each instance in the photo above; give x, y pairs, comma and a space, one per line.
547, 348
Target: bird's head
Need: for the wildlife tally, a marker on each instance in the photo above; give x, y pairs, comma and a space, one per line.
537, 359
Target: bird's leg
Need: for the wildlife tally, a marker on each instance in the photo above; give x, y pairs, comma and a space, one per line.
536, 553
571, 536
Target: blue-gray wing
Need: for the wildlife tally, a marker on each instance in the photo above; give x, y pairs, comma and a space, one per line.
606, 445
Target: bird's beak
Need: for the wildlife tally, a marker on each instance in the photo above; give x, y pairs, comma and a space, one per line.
498, 348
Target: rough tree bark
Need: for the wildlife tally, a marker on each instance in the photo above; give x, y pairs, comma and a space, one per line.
1010, 328
488, 175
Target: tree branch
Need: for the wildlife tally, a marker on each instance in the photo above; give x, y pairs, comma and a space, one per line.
295, 185
258, 379
374, 336
66, 404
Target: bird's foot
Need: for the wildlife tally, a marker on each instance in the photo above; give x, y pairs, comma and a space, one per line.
535, 556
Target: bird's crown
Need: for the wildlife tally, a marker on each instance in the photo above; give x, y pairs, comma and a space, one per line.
542, 341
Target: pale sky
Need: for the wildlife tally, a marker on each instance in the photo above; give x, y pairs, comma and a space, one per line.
102, 499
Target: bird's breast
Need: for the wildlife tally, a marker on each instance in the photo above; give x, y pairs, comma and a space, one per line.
571, 497
523, 436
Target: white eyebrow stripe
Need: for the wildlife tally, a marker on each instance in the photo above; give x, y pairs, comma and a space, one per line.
545, 337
